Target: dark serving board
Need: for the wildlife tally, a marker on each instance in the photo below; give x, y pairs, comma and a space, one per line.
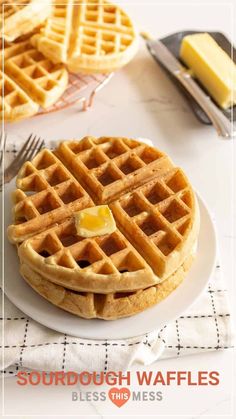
173, 42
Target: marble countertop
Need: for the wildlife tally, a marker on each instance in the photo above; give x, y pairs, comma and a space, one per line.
141, 101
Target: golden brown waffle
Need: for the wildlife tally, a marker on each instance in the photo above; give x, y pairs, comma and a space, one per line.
42, 80
22, 16
104, 40
157, 222
108, 307
93, 36
110, 166
15, 104
47, 193
161, 219
98, 264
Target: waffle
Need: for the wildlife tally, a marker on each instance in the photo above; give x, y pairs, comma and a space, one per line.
42, 80
99, 264
15, 104
109, 166
22, 16
161, 219
108, 307
94, 36
54, 39
153, 204
105, 38
47, 193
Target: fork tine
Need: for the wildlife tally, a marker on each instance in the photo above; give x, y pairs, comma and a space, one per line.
23, 148
28, 149
35, 148
36, 151
24, 156
32, 145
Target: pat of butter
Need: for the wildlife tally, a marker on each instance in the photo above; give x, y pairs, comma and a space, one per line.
95, 221
211, 66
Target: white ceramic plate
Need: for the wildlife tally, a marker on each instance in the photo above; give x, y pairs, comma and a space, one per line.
32, 304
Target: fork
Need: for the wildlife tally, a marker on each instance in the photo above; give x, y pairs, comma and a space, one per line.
3, 140
32, 145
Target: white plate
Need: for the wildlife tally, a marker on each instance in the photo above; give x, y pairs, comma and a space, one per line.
32, 304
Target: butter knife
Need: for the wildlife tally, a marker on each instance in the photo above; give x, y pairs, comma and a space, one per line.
222, 125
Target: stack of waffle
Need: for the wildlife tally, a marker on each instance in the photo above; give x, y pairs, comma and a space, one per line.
117, 274
41, 41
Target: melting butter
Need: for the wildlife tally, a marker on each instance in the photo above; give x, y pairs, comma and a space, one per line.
95, 221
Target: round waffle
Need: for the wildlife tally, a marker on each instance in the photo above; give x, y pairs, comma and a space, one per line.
92, 36
152, 202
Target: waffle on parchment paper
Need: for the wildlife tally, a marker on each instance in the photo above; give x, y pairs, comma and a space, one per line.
152, 201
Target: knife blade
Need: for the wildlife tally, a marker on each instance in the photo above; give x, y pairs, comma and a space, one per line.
222, 125
167, 59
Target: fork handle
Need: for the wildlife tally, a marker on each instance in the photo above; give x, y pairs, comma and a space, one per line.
6, 177
222, 125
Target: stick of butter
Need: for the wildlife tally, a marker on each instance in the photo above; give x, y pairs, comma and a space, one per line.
211, 65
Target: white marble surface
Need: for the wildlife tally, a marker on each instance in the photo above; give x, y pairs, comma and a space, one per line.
141, 101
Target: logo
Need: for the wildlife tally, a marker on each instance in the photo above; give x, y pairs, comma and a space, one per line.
119, 396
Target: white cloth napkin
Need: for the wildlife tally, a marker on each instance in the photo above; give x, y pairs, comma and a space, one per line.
204, 327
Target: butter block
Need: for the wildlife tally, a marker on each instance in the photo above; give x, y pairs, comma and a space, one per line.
94, 221
210, 64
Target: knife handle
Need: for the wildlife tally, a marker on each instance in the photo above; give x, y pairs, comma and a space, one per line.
222, 125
